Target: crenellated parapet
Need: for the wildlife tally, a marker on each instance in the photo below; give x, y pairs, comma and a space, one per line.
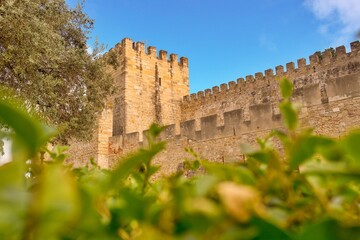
150, 86
234, 123
139, 47
153, 86
250, 106
319, 62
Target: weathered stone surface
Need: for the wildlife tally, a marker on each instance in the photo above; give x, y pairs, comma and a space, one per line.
214, 122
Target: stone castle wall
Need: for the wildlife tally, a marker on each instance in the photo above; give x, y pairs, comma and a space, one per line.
214, 122
252, 104
150, 87
97, 148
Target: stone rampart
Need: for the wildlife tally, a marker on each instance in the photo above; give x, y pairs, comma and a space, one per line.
150, 87
216, 121
153, 87
313, 82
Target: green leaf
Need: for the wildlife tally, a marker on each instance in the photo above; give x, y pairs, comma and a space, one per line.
263, 156
203, 184
281, 135
332, 152
267, 230
289, 115
32, 134
14, 200
227, 172
305, 147
154, 131
134, 160
351, 146
53, 208
330, 230
286, 87
338, 169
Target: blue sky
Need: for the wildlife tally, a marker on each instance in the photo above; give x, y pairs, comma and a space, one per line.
227, 39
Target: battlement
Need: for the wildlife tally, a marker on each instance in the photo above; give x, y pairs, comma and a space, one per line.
210, 127
151, 51
153, 86
319, 61
251, 104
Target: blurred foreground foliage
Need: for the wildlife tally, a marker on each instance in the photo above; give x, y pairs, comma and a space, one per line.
308, 190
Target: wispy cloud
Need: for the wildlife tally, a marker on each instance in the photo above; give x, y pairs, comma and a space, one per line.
340, 18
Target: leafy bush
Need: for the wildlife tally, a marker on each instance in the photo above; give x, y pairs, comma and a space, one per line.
309, 189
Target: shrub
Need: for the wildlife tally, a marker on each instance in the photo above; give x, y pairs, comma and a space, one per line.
308, 190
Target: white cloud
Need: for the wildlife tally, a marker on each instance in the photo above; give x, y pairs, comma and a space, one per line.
341, 18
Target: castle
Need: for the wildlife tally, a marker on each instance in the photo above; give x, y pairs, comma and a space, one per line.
152, 87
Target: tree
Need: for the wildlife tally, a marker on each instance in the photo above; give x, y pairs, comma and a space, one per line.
45, 60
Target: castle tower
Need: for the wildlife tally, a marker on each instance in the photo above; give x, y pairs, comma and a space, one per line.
150, 87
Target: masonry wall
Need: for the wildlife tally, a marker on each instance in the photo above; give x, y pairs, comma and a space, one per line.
214, 122
149, 87
80, 152
153, 87
333, 119
330, 75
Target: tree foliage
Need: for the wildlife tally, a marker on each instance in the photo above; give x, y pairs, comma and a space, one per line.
44, 59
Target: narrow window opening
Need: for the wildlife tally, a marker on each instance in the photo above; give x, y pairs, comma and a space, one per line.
159, 80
